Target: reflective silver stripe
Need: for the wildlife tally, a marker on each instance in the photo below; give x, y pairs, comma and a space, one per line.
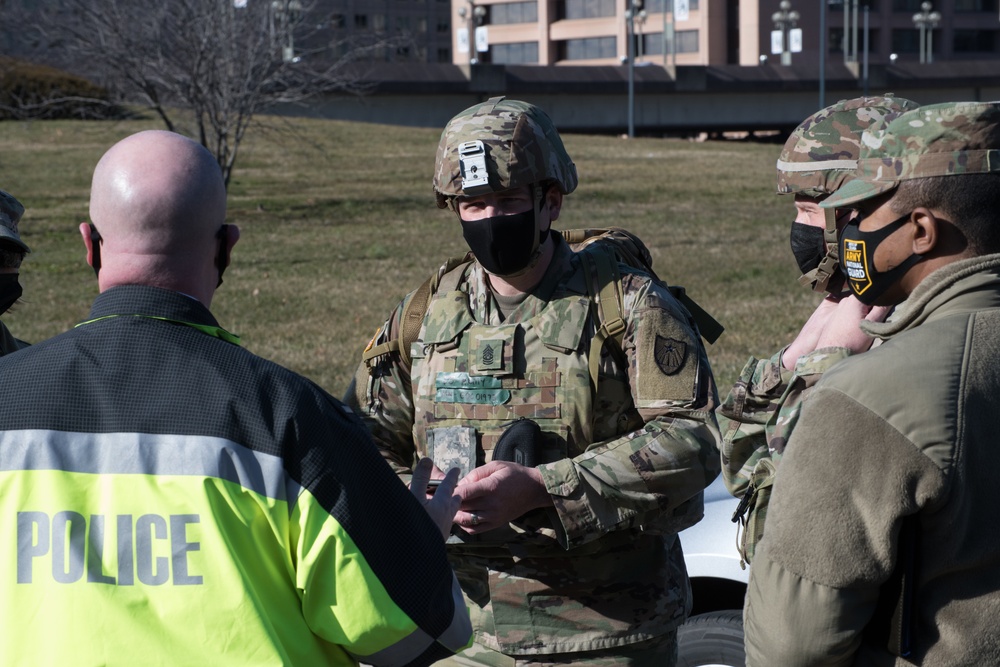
455, 638
147, 454
400, 653
820, 165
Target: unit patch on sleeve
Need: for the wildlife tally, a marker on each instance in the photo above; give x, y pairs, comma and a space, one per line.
669, 354
666, 359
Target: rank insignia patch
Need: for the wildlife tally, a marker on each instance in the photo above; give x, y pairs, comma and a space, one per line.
669, 354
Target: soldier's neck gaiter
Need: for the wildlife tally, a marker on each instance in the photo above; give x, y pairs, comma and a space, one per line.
857, 253
504, 244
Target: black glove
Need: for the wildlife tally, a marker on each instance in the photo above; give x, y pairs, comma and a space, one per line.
520, 443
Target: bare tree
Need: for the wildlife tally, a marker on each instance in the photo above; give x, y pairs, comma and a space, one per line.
215, 63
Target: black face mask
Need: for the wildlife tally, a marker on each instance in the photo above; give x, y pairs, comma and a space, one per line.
857, 253
503, 244
808, 246
10, 291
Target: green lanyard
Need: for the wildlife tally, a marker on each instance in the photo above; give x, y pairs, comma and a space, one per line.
215, 332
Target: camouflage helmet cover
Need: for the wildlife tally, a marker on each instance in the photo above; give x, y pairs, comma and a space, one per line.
521, 146
948, 139
822, 152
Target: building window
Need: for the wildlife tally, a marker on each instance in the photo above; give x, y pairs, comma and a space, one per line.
835, 40
687, 41
975, 41
591, 48
514, 12
907, 41
656, 6
444, 55
361, 21
378, 22
906, 5
585, 9
975, 5
515, 54
443, 27
337, 21
650, 45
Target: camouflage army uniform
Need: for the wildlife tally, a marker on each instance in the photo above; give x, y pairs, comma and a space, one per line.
763, 406
625, 469
881, 546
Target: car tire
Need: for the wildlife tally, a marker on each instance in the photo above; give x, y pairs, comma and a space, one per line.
714, 639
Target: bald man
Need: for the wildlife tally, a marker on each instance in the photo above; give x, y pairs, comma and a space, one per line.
173, 499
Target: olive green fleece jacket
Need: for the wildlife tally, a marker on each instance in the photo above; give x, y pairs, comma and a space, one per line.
908, 431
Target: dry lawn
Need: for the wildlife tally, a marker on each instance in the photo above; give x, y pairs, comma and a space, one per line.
339, 222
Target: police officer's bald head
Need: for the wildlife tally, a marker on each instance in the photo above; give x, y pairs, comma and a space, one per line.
158, 201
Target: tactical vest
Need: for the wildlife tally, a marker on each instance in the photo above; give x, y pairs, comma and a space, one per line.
472, 380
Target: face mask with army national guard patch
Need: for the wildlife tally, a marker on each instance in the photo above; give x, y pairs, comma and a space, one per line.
857, 252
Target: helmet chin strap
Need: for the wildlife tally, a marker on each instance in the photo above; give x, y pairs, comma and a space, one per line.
819, 278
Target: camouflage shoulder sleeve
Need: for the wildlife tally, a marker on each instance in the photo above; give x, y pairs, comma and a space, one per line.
652, 476
380, 394
762, 408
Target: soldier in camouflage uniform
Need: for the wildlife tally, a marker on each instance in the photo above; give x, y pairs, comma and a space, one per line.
763, 406
12, 251
576, 559
881, 544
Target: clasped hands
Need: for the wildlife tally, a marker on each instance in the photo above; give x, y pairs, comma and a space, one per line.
490, 496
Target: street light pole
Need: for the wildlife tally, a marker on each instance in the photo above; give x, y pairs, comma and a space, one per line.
926, 21
630, 17
822, 53
287, 14
463, 14
864, 61
474, 15
479, 12
640, 18
784, 20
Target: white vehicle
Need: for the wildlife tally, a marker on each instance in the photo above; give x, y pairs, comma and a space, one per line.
713, 635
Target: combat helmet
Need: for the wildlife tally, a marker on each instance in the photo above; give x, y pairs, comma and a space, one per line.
498, 145
822, 152
820, 156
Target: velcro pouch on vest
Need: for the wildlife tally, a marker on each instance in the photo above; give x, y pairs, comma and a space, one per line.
520, 443
453, 447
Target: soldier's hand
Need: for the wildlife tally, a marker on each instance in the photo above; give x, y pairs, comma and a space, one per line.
497, 493
842, 328
834, 323
444, 503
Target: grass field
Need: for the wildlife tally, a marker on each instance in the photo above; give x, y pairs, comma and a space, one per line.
338, 222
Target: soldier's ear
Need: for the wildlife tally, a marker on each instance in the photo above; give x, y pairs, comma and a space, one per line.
554, 199
927, 232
